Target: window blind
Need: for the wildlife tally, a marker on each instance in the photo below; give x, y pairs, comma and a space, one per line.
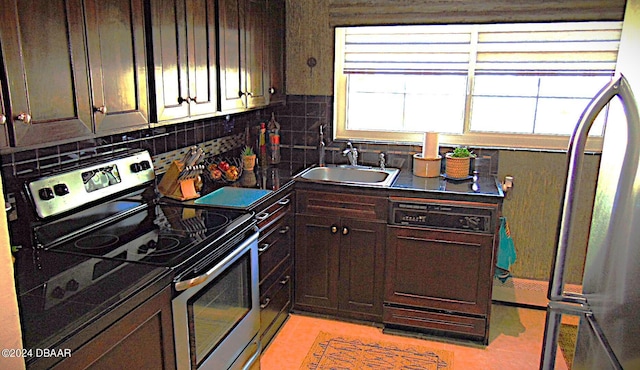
565, 48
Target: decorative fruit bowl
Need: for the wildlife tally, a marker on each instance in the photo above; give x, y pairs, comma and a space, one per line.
227, 170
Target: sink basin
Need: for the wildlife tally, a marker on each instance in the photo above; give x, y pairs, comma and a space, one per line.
353, 175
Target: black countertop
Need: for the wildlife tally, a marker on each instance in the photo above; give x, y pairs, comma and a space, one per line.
282, 177
67, 323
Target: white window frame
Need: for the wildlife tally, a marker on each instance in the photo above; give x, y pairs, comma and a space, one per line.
468, 138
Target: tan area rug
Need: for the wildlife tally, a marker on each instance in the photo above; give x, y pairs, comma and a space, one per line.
567, 342
334, 351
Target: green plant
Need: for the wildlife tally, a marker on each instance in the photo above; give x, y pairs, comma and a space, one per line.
247, 151
462, 152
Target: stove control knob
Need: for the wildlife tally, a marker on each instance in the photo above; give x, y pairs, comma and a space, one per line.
145, 165
57, 293
46, 193
61, 189
72, 285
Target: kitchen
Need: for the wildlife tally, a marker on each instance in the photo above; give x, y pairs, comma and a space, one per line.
310, 88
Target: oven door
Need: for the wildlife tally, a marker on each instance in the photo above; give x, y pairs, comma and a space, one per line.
216, 315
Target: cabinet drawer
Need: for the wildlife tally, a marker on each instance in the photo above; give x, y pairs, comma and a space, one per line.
341, 205
274, 306
268, 216
274, 247
457, 325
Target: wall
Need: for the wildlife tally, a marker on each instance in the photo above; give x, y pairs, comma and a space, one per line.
533, 207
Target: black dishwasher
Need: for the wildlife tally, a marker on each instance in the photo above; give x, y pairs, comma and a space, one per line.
436, 215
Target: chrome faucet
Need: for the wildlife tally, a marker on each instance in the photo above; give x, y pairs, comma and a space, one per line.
383, 161
351, 153
321, 148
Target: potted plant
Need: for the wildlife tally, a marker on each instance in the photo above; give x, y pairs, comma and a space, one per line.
457, 163
248, 158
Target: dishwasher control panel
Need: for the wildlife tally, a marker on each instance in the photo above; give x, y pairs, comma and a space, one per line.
442, 216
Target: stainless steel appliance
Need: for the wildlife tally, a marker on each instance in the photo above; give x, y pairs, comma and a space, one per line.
609, 306
100, 224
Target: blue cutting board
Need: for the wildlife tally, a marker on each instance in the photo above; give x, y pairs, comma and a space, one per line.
232, 197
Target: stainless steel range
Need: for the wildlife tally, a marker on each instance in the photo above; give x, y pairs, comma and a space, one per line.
93, 225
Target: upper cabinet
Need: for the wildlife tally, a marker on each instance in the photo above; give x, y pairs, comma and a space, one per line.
184, 59
4, 132
117, 61
276, 26
244, 65
74, 69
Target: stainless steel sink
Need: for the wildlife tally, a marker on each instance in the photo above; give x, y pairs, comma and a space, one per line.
353, 175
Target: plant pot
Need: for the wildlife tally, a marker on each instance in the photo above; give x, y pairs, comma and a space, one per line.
249, 162
456, 167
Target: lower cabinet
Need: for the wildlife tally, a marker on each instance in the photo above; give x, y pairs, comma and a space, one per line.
439, 281
143, 339
275, 247
339, 266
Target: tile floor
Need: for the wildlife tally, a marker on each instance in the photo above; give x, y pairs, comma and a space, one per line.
515, 341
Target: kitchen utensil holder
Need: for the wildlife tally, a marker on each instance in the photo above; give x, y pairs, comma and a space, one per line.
176, 184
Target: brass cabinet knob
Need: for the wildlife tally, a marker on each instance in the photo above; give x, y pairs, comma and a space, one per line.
24, 117
272, 90
101, 109
3, 119
334, 229
345, 231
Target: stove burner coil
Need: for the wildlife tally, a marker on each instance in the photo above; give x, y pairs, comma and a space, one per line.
96, 241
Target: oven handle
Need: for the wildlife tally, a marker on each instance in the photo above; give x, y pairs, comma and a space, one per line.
190, 283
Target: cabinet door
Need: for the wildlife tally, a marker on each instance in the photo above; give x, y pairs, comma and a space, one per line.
143, 339
4, 131
201, 48
255, 37
316, 263
276, 50
231, 66
115, 32
43, 46
362, 268
170, 59
439, 270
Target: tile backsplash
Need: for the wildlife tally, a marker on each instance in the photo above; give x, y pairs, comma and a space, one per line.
300, 119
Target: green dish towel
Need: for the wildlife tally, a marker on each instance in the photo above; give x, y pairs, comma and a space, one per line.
506, 252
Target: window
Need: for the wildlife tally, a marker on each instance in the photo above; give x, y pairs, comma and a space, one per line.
502, 85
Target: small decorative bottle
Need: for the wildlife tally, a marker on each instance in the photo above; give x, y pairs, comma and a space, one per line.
262, 145
274, 140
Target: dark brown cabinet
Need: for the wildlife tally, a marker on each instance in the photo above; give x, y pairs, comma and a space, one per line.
276, 48
143, 339
74, 68
4, 131
275, 246
339, 259
439, 280
245, 52
184, 77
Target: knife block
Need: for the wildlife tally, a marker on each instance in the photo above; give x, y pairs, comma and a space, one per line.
172, 186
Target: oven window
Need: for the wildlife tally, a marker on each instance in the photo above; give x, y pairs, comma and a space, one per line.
219, 307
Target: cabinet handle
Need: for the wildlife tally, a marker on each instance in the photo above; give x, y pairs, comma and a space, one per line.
241, 94
272, 90
188, 99
262, 216
284, 202
334, 229
266, 303
264, 247
285, 280
101, 109
24, 117
284, 230
345, 231
3, 119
